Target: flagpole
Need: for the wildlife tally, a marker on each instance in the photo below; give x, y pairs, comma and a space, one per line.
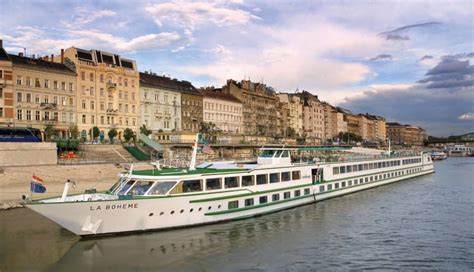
31, 191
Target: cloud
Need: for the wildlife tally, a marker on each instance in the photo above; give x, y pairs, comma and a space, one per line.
37, 40
469, 116
460, 56
440, 102
382, 57
191, 14
396, 37
83, 16
450, 73
407, 27
426, 57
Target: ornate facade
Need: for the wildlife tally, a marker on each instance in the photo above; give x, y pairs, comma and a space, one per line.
107, 91
259, 105
6, 88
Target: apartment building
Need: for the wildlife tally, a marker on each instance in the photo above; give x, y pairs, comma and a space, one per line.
43, 93
6, 88
160, 102
402, 134
223, 110
107, 91
313, 116
330, 121
259, 106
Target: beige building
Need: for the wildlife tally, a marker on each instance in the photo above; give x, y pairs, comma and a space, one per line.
313, 116
191, 109
44, 92
405, 134
6, 88
341, 123
330, 121
259, 106
223, 110
160, 102
107, 91
294, 113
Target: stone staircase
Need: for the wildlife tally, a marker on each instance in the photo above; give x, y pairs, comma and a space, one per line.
101, 153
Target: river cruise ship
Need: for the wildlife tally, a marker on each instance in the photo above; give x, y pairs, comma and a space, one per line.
211, 192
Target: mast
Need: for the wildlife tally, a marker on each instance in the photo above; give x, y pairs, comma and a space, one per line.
192, 165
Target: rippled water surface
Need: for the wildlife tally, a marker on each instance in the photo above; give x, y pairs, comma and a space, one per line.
425, 223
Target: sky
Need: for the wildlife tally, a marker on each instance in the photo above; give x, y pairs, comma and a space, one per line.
409, 61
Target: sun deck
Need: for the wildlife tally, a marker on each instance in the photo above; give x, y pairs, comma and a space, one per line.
185, 171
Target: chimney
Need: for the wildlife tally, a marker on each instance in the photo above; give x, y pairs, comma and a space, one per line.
52, 57
1, 43
62, 55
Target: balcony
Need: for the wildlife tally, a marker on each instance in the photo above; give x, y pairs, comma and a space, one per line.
111, 85
49, 106
111, 112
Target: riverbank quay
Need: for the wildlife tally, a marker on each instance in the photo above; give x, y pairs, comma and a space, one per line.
15, 181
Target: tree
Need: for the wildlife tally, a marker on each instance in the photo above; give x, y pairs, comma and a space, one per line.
144, 130
94, 132
112, 134
128, 134
49, 131
209, 131
290, 132
74, 131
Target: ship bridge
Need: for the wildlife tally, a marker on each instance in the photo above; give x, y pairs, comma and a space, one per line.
274, 157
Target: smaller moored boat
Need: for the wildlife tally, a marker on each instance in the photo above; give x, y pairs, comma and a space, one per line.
438, 156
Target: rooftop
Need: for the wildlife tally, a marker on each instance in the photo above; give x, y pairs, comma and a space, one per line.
152, 80
39, 63
216, 94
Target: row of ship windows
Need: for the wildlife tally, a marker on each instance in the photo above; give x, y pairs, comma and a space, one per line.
234, 204
187, 186
379, 177
369, 166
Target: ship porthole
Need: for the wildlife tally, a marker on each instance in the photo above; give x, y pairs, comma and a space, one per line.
200, 209
161, 213
181, 211
218, 207
171, 212
191, 210
151, 214
209, 208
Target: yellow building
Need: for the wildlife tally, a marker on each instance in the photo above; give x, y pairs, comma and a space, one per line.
401, 134
107, 91
6, 88
43, 94
330, 121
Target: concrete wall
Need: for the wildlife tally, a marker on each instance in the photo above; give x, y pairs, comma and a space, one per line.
21, 154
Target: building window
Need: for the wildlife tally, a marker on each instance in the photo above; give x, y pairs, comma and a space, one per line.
28, 97
101, 78
28, 81
1, 92
91, 77
37, 83
83, 75
1, 112
19, 114
83, 104
92, 105
63, 86
37, 115
71, 86
19, 97
83, 118
55, 85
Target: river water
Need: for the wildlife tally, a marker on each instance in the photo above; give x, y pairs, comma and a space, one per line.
425, 223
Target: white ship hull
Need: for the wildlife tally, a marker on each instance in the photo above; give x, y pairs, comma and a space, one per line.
156, 213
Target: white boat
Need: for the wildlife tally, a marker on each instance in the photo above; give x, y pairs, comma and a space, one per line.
459, 151
212, 192
438, 156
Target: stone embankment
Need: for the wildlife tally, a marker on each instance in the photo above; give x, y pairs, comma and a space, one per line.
15, 181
